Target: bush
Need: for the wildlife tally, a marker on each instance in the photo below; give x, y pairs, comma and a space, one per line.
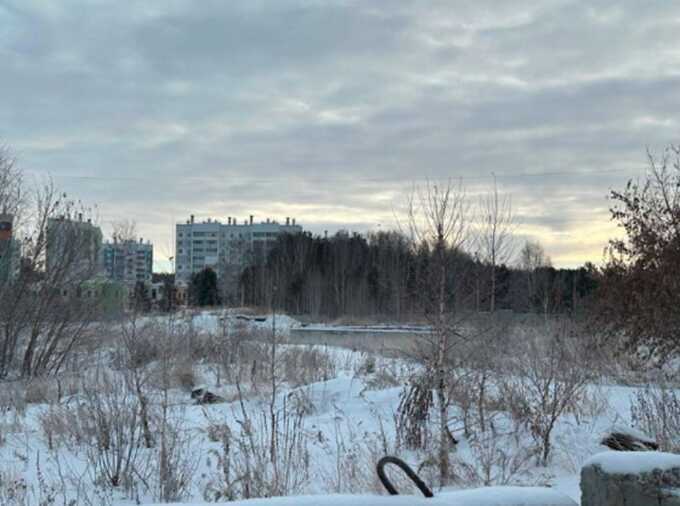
264, 458
38, 392
302, 366
110, 420
184, 376
547, 380
655, 410
495, 460
366, 365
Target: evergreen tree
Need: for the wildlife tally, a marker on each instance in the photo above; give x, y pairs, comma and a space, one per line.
203, 288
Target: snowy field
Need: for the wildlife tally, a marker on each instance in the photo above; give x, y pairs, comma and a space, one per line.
331, 413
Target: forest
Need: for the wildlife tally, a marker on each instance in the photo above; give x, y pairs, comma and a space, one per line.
382, 274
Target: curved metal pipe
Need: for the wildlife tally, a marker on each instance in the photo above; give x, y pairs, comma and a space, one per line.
380, 468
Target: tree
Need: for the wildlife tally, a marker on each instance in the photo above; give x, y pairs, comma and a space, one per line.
46, 305
168, 290
494, 235
12, 196
141, 302
124, 230
438, 221
640, 290
203, 288
536, 263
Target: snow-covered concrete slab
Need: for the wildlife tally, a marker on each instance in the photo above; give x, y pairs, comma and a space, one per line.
635, 478
634, 462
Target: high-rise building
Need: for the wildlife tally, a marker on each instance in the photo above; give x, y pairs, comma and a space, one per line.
73, 249
223, 245
128, 262
9, 249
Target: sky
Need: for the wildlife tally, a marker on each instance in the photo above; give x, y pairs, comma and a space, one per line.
330, 111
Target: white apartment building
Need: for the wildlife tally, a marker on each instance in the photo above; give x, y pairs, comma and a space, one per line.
220, 245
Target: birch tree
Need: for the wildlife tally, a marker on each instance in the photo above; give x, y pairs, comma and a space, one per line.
496, 224
437, 217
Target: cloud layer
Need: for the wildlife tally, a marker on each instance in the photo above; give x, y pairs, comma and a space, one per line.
330, 110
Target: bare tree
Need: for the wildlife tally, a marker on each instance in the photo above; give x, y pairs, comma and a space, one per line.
532, 256
496, 224
124, 230
437, 218
534, 261
136, 351
11, 184
47, 303
230, 269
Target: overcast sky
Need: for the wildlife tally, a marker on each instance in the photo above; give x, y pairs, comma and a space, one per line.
329, 110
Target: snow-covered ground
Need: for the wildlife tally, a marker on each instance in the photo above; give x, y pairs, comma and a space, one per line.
339, 427
489, 496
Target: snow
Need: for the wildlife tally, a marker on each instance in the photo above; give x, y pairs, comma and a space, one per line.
377, 329
488, 496
614, 462
351, 418
214, 322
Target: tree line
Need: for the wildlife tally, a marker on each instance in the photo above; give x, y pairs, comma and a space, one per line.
382, 274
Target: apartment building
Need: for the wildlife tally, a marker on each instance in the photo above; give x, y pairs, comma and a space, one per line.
73, 248
128, 261
9, 249
222, 246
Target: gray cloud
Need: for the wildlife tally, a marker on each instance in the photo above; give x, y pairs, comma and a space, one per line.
331, 109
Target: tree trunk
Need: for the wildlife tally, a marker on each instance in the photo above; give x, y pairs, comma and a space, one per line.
441, 372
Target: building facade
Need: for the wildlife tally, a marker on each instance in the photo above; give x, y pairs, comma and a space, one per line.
73, 249
128, 262
225, 246
10, 255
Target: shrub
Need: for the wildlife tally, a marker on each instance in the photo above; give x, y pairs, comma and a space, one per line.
302, 366
265, 457
38, 391
110, 420
656, 411
547, 380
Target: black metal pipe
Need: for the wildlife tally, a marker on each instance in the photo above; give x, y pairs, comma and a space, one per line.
380, 468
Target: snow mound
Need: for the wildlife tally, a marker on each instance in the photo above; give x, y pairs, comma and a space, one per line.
634, 462
489, 496
218, 321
